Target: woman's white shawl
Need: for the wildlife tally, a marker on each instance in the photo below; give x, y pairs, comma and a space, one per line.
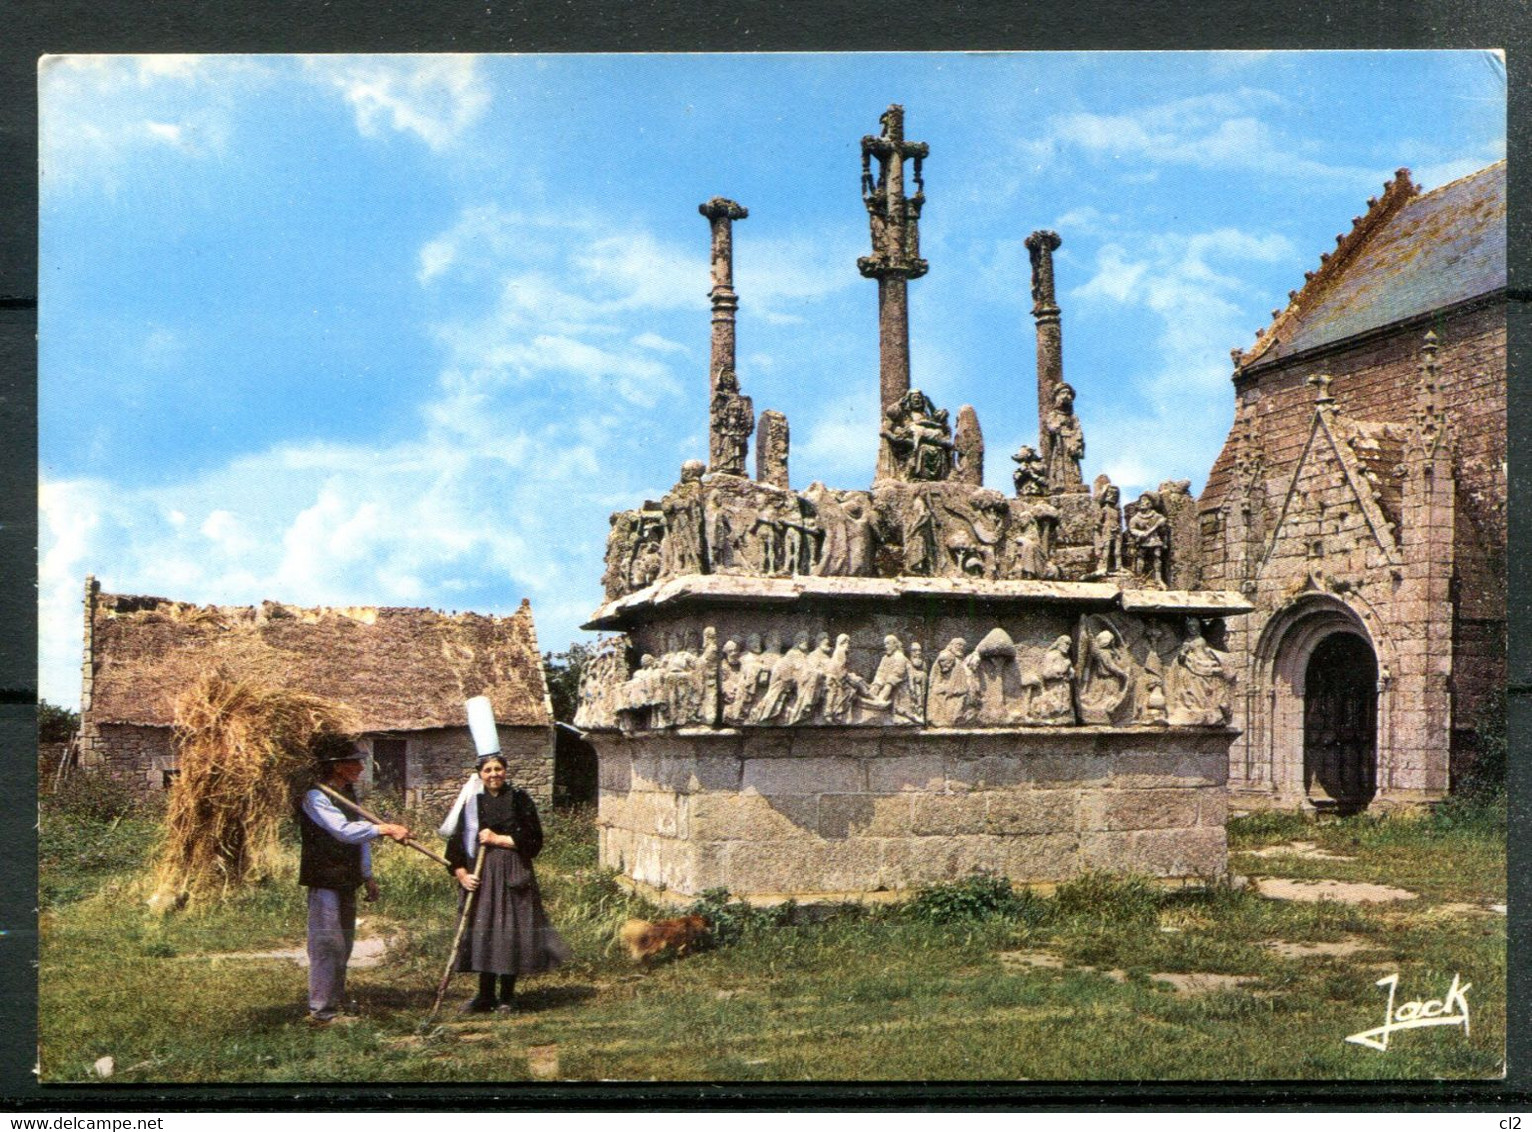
469, 815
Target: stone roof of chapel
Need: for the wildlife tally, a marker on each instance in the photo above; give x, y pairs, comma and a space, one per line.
1410, 254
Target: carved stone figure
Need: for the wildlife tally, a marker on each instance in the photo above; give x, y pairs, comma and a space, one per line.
642, 703
601, 686
841, 684
1108, 535
845, 532
783, 685
1031, 474
861, 535
951, 700
681, 681
811, 681
768, 530
1106, 677
754, 674
724, 533
682, 507
918, 437
707, 678
919, 536
731, 418
1161, 647
1029, 557
647, 564
972, 532
1199, 682
730, 683
621, 546
997, 680
888, 695
801, 541
1066, 440
1148, 536
1051, 686
917, 681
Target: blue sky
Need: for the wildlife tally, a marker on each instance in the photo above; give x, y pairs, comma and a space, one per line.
405, 330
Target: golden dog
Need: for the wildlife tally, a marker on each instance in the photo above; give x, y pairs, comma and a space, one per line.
646, 941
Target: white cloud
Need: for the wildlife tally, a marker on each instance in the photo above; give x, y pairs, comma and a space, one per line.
332, 525
1225, 130
1191, 286
652, 341
97, 114
436, 98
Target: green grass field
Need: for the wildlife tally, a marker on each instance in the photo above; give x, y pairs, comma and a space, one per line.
968, 982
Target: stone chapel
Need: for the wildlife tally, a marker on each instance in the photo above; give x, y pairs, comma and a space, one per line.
1359, 503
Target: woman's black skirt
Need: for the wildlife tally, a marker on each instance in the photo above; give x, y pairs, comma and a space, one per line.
509, 933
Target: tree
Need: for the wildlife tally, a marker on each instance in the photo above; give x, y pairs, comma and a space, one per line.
562, 671
55, 724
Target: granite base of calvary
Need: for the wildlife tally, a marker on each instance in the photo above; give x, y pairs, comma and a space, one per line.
859, 813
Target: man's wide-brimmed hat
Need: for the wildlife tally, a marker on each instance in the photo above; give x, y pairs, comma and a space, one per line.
328, 747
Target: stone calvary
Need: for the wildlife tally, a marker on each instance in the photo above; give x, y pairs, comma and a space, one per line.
823, 693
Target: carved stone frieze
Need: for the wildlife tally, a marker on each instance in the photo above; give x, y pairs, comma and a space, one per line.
1113, 670
601, 684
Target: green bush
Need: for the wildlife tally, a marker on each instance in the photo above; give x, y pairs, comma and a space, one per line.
56, 724
981, 896
730, 921
95, 796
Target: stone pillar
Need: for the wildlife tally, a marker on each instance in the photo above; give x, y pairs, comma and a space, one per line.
721, 214
895, 222
771, 449
1050, 341
88, 755
968, 448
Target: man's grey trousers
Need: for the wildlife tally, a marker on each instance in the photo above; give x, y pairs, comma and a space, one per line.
332, 930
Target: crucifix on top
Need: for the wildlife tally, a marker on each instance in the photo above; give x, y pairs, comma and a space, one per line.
895, 259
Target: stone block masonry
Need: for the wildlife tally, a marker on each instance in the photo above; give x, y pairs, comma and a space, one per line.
817, 816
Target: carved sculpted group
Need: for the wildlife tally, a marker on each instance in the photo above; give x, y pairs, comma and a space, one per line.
1110, 672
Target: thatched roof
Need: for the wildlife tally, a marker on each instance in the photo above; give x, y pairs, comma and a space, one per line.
399, 669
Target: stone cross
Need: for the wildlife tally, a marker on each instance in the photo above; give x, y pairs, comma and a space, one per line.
721, 213
895, 259
1321, 384
1050, 341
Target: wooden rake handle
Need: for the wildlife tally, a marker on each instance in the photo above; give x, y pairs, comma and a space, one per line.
368, 815
457, 936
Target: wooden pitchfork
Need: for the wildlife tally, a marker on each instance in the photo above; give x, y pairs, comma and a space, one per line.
368, 815
457, 938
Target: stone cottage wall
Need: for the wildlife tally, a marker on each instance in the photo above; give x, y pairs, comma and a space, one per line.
439, 761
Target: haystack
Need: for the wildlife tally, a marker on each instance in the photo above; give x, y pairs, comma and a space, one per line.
244, 748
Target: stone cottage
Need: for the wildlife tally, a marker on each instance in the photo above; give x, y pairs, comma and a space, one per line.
406, 672
1360, 504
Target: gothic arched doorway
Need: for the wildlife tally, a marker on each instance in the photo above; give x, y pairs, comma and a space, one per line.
1340, 724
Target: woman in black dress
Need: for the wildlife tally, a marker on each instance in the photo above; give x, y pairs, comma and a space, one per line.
509, 934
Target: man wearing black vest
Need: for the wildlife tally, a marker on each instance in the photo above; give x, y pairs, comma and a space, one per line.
335, 862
